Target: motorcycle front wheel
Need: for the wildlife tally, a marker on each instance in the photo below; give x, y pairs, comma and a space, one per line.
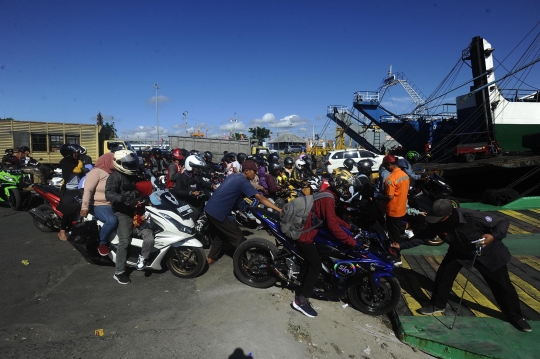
186, 262
15, 199
251, 263
381, 302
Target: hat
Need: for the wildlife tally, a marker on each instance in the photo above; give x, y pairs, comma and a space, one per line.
249, 165
389, 159
402, 163
440, 209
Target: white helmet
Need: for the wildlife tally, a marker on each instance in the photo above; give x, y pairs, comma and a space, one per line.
299, 163
194, 161
126, 161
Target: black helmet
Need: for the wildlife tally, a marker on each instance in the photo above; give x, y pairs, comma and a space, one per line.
349, 164
156, 151
273, 167
207, 155
230, 157
24, 149
8, 150
259, 160
83, 150
184, 152
309, 162
273, 157
288, 161
241, 157
68, 149
364, 167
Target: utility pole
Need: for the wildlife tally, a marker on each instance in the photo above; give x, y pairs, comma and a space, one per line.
157, 120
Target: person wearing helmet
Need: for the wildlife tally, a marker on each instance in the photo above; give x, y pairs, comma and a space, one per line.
157, 164
273, 157
261, 173
396, 189
222, 226
324, 209
175, 168
121, 192
190, 186
300, 176
240, 158
86, 160
349, 164
8, 158
288, 164
229, 168
72, 172
274, 188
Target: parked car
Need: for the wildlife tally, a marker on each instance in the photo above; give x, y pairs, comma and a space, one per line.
293, 149
334, 159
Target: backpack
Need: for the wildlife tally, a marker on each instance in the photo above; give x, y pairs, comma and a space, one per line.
295, 214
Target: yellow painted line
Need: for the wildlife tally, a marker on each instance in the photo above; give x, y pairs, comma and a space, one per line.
522, 217
411, 302
471, 294
526, 292
531, 261
535, 210
516, 230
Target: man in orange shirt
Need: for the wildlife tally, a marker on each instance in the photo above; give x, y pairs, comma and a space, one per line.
396, 189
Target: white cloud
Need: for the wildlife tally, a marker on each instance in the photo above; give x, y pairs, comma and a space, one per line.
235, 126
303, 129
142, 133
160, 99
270, 120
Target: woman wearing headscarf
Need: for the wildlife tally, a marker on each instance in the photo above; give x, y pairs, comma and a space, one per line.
94, 199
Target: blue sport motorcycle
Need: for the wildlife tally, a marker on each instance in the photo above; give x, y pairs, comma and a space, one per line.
364, 274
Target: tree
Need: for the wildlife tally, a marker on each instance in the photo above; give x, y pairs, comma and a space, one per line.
238, 136
260, 133
99, 119
109, 127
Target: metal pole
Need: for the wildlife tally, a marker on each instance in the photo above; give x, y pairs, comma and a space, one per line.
157, 119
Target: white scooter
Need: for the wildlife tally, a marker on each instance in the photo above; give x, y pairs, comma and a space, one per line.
175, 242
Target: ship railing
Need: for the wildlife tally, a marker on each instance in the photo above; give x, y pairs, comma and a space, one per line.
366, 97
339, 108
520, 95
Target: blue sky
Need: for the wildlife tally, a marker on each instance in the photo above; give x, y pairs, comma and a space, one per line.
277, 64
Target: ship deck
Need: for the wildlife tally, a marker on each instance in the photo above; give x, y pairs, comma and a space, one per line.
480, 330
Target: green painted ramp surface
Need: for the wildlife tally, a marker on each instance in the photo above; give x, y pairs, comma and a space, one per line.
470, 338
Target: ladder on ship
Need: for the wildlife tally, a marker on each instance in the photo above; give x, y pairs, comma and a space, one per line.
399, 78
377, 139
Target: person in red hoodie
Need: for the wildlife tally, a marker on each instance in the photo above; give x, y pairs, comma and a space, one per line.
323, 208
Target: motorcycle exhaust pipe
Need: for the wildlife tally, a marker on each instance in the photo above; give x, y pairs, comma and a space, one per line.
39, 215
282, 276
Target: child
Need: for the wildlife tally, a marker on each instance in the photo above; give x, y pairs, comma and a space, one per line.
142, 223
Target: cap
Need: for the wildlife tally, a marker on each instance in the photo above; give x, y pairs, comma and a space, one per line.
402, 163
389, 159
440, 209
250, 165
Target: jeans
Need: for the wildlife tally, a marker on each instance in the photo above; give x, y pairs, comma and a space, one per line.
106, 215
125, 229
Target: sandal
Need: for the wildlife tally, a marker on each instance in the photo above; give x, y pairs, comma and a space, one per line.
210, 261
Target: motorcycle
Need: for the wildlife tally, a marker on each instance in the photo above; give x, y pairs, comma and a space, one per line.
363, 275
10, 181
175, 243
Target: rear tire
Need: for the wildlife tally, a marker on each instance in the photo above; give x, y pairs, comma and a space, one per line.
470, 157
382, 302
250, 263
15, 199
191, 263
50, 213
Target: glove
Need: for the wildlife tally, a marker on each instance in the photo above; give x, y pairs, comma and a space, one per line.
129, 187
132, 201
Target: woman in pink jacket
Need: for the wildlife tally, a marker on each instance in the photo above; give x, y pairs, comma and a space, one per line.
94, 199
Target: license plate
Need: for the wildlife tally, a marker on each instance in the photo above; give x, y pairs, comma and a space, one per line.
184, 208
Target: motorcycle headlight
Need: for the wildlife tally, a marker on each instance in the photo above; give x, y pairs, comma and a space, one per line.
178, 225
7, 178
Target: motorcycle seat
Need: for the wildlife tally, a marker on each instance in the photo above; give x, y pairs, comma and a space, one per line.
52, 189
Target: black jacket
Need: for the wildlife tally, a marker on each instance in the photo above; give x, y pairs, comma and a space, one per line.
186, 183
120, 190
469, 225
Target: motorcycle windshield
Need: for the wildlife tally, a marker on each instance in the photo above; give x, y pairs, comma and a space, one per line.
167, 201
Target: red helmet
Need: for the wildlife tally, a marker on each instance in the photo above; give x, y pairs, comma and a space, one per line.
389, 159
177, 154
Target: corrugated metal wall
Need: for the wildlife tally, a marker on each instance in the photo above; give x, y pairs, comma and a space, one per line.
18, 133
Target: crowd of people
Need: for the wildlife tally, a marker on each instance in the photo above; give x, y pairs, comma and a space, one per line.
117, 186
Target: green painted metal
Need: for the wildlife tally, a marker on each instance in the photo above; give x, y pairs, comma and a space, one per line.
509, 136
471, 338
522, 203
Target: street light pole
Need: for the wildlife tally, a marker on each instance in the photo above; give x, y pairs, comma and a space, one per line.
157, 120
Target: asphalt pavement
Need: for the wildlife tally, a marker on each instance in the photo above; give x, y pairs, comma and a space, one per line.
56, 305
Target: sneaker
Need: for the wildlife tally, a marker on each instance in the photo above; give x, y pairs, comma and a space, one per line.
122, 278
141, 263
251, 216
304, 307
521, 324
431, 309
397, 260
103, 250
